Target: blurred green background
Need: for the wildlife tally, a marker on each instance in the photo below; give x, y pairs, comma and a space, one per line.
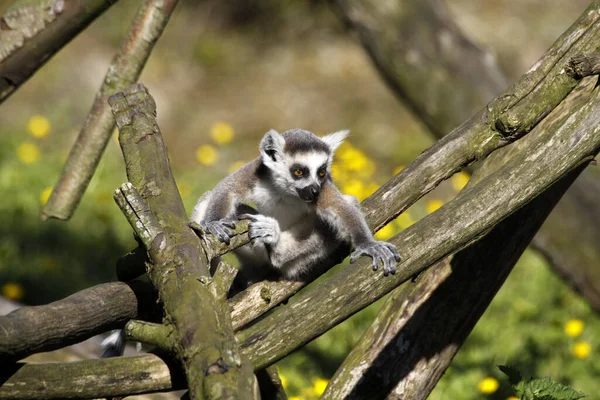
222, 75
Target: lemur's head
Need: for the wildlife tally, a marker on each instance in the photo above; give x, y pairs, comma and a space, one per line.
300, 161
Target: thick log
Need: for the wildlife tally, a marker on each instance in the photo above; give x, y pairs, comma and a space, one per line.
31, 32
82, 315
125, 69
202, 332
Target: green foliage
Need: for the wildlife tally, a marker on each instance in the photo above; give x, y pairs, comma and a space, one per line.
539, 389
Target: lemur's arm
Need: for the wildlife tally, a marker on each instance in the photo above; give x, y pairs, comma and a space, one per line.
292, 251
215, 210
344, 212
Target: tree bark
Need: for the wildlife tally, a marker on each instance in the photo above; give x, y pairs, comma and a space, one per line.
414, 45
125, 69
31, 32
202, 333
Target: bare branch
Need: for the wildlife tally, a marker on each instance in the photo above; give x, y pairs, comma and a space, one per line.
153, 334
89, 379
80, 316
33, 31
147, 27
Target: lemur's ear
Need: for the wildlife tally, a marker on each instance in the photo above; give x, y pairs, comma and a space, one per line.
271, 146
334, 140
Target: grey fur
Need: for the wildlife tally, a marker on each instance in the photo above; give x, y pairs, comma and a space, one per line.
291, 231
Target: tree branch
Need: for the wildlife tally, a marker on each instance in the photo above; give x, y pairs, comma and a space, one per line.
433, 58
544, 161
202, 332
402, 354
31, 32
82, 315
125, 69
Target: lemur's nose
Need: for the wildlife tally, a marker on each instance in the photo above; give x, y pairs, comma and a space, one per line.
310, 193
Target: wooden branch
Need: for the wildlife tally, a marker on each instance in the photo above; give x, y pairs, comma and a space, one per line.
80, 316
413, 41
402, 354
107, 377
474, 212
125, 69
153, 334
584, 65
202, 333
32, 32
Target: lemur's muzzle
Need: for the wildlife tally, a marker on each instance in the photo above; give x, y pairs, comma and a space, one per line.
309, 193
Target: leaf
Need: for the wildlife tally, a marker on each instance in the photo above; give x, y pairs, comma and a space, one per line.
549, 389
514, 376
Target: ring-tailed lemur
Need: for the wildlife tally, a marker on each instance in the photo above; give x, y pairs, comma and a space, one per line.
301, 218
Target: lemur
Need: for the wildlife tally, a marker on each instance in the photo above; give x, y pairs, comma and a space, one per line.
301, 219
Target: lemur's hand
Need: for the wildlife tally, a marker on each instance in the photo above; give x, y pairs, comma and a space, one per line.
262, 229
381, 252
222, 229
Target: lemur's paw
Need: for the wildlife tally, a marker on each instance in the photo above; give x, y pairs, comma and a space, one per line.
221, 229
262, 229
382, 253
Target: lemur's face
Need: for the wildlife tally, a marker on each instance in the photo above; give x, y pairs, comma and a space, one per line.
308, 172
300, 161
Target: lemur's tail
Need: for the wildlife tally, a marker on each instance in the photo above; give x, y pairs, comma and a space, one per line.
114, 344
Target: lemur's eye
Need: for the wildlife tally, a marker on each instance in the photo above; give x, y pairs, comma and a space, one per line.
298, 173
322, 173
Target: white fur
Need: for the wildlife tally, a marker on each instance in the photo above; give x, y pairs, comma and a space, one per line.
334, 140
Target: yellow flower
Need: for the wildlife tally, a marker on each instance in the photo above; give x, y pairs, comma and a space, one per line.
460, 180
234, 166
404, 220
581, 349
28, 153
12, 291
39, 126
284, 381
207, 155
398, 169
355, 188
488, 385
45, 195
433, 205
512, 398
386, 232
294, 398
221, 133
574, 327
338, 173
319, 385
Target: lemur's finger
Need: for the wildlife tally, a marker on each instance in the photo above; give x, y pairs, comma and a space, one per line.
251, 217
356, 255
394, 251
229, 224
